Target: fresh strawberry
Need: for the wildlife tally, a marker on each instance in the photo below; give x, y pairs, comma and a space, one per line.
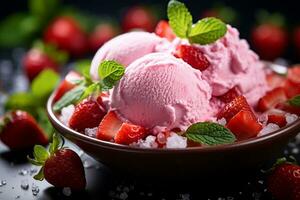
230, 95
66, 34
244, 125
285, 106
87, 114
235, 106
193, 56
291, 89
269, 41
275, 80
101, 34
109, 126
61, 167
164, 30
35, 61
67, 84
129, 133
19, 130
138, 17
271, 99
277, 118
284, 181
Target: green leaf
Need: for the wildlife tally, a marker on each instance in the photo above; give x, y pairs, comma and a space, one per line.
44, 84
40, 175
83, 66
110, 73
207, 31
18, 29
55, 144
40, 153
180, 19
44, 122
70, 97
89, 90
22, 101
209, 133
44, 9
295, 101
35, 162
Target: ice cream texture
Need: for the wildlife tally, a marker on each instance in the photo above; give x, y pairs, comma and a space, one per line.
159, 91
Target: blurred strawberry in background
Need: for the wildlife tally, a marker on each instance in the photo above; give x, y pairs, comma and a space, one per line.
269, 38
138, 17
224, 12
296, 40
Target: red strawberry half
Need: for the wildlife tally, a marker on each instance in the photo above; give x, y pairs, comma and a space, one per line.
61, 167
193, 56
164, 30
87, 114
230, 95
277, 117
271, 99
129, 133
19, 130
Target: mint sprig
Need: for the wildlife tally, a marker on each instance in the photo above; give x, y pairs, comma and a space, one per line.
180, 19
110, 72
295, 101
205, 31
209, 133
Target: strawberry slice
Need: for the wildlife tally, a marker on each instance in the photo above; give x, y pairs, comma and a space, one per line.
19, 130
235, 106
87, 114
291, 89
67, 84
271, 99
109, 126
244, 125
230, 95
278, 119
275, 80
294, 74
129, 133
193, 56
164, 30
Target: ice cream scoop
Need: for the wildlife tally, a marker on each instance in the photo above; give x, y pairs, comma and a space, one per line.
125, 49
159, 91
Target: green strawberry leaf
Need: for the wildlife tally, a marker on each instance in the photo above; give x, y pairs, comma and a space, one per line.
54, 146
295, 101
44, 122
110, 73
40, 175
44, 84
70, 97
22, 101
35, 162
207, 31
40, 153
180, 19
209, 133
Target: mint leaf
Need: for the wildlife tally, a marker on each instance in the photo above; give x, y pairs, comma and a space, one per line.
70, 97
207, 31
110, 73
23, 101
209, 133
180, 19
89, 90
40, 153
295, 101
44, 84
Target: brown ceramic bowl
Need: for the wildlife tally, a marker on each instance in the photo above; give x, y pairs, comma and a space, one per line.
202, 161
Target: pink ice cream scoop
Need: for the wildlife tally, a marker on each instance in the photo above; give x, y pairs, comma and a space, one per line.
125, 49
159, 91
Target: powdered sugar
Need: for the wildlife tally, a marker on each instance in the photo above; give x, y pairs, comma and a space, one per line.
176, 141
66, 114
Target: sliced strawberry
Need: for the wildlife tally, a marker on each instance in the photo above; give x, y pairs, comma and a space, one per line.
232, 108
294, 74
193, 56
291, 89
87, 114
277, 118
288, 108
67, 84
244, 125
275, 80
109, 126
129, 133
271, 99
164, 30
230, 95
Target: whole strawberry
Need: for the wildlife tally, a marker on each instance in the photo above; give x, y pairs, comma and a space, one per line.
61, 167
19, 130
284, 181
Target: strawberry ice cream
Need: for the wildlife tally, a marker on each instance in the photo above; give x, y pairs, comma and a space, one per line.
125, 49
160, 91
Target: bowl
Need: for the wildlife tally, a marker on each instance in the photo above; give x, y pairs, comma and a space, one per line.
202, 161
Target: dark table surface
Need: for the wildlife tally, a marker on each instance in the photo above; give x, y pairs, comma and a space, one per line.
16, 173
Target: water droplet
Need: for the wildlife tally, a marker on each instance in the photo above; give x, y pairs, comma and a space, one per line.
23, 172
35, 189
25, 184
18, 197
2, 183
67, 191
33, 171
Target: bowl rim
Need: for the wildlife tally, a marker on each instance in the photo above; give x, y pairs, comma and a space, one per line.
286, 131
